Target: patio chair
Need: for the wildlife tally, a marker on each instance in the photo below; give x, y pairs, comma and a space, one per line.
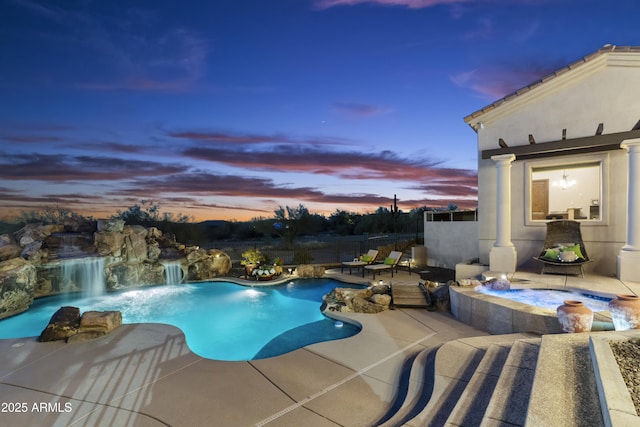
564, 251
389, 263
368, 258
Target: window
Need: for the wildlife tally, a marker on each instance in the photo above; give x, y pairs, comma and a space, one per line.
570, 190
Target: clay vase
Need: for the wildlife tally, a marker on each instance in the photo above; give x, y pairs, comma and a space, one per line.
574, 316
625, 312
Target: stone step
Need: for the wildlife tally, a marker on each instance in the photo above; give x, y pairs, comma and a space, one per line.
473, 402
455, 363
564, 388
510, 399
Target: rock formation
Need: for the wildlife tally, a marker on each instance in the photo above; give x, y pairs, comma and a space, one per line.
67, 324
33, 260
373, 299
17, 280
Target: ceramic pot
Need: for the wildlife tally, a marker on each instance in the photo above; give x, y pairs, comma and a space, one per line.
625, 312
574, 316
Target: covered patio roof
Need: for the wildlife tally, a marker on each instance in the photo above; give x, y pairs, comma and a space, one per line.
587, 144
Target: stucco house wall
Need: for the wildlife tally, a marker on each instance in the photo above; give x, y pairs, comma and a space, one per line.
604, 88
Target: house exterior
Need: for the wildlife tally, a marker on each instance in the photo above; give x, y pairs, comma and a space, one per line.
567, 146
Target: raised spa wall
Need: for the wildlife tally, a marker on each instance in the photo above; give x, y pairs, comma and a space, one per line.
502, 316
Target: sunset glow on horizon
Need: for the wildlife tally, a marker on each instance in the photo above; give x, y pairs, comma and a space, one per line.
229, 109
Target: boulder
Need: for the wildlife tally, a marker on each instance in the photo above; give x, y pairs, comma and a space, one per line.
361, 305
135, 243
36, 231
10, 251
32, 251
342, 294
440, 298
154, 233
109, 243
64, 323
6, 239
100, 321
153, 251
380, 289
382, 300
208, 265
308, 270
17, 283
124, 275
111, 225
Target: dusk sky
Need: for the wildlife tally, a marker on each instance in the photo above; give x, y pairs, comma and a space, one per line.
226, 109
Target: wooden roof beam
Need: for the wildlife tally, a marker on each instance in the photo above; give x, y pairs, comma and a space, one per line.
587, 144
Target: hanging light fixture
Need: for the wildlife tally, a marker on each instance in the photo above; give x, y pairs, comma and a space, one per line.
565, 182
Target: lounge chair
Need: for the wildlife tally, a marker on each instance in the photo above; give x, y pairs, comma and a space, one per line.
564, 251
389, 263
366, 259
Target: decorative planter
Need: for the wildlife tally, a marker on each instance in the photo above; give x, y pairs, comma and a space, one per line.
625, 312
574, 316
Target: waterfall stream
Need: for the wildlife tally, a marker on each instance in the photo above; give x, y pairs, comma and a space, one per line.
86, 274
173, 273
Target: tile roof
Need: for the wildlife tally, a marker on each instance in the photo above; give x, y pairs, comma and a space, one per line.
604, 49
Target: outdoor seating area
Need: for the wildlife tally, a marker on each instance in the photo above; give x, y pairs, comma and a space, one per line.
358, 263
564, 251
390, 263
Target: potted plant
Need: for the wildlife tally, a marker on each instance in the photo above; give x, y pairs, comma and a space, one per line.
277, 265
251, 258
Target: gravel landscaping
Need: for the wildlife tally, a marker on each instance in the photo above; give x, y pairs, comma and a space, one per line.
627, 354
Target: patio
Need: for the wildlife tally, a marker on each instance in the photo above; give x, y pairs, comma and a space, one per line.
145, 375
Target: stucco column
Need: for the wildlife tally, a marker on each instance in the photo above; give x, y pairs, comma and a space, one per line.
503, 256
629, 256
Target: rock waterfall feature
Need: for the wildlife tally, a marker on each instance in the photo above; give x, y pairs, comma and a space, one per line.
41, 260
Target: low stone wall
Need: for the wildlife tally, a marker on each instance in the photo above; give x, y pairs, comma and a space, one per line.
502, 316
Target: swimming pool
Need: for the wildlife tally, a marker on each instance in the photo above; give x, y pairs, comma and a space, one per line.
221, 320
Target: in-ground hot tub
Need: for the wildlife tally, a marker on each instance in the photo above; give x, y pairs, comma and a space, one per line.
498, 315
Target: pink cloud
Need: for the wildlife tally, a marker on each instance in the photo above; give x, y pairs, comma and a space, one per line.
63, 168
247, 139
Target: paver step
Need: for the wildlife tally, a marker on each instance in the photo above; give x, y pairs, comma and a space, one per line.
564, 389
473, 402
510, 399
455, 363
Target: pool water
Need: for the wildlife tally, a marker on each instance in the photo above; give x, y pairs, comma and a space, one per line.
221, 320
548, 298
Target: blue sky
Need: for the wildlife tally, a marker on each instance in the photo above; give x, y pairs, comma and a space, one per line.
228, 109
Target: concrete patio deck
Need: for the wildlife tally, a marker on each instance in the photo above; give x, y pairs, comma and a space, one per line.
145, 375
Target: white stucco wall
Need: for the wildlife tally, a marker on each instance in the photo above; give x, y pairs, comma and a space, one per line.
604, 90
450, 242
